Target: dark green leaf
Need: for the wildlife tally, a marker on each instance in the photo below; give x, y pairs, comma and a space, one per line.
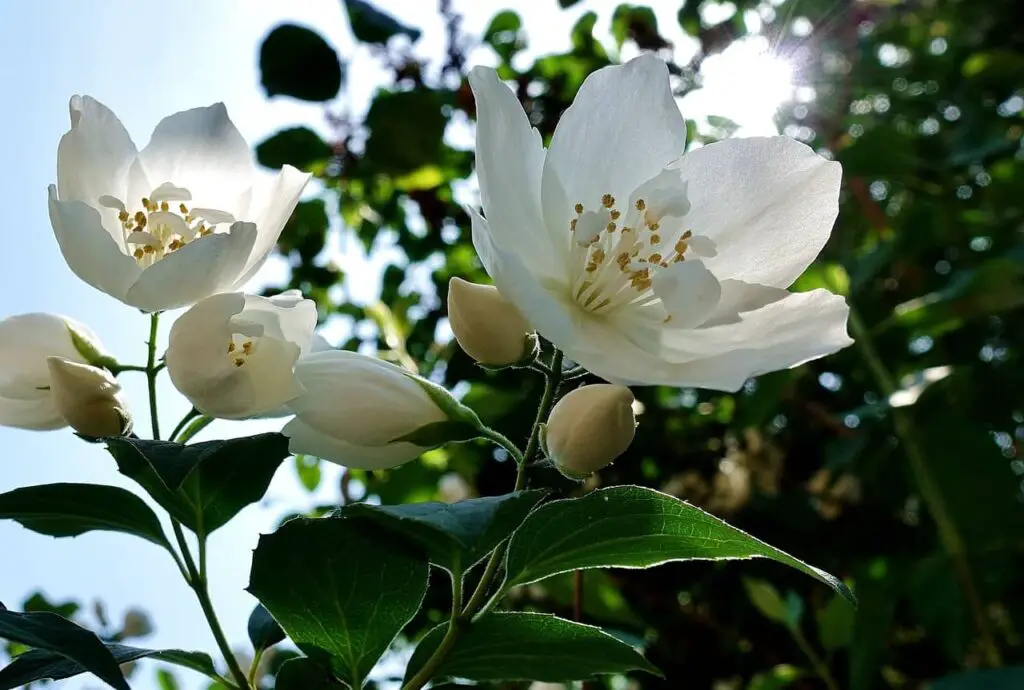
41, 664
632, 527
530, 646
370, 25
263, 629
983, 679
299, 147
305, 674
406, 130
340, 589
298, 62
835, 624
68, 510
203, 484
39, 602
565, 4
49, 633
457, 535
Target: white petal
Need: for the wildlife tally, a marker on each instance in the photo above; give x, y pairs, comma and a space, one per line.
201, 268
286, 317
509, 161
739, 297
37, 415
282, 199
201, 150
540, 305
304, 439
94, 156
623, 127
89, 250
26, 340
688, 291
271, 375
768, 204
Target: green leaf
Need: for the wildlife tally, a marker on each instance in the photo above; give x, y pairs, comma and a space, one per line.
305, 674
166, 680
307, 467
504, 34
632, 527
406, 131
454, 536
340, 589
205, 484
41, 664
263, 630
68, 510
370, 25
984, 679
767, 600
48, 632
530, 646
835, 624
298, 62
299, 147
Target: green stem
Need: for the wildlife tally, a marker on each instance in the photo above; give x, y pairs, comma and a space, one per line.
931, 491
254, 667
197, 581
820, 668
455, 624
151, 372
192, 414
116, 369
506, 443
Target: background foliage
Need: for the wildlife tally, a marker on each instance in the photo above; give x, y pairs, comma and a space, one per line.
893, 464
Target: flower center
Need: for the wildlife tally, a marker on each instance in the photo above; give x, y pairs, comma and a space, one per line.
163, 223
240, 348
616, 253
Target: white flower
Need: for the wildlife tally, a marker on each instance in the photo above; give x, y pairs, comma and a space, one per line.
26, 341
164, 227
589, 428
233, 355
588, 238
487, 326
355, 407
88, 398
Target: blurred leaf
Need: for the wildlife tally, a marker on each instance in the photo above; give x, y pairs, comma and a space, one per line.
455, 536
370, 25
306, 230
565, 4
406, 130
994, 66
305, 674
530, 646
299, 147
39, 602
40, 664
165, 679
298, 62
767, 600
307, 467
632, 527
68, 510
877, 585
637, 22
342, 605
504, 34
781, 676
880, 151
983, 679
51, 634
263, 630
205, 484
835, 624
602, 600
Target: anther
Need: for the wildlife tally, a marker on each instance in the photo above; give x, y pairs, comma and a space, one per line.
615, 215
184, 209
239, 362
607, 201
655, 239
123, 216
138, 253
164, 206
640, 204
610, 227
579, 209
247, 347
231, 347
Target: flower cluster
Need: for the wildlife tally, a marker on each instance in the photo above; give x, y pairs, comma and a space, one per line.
644, 266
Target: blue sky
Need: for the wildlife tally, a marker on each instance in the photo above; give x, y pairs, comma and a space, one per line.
146, 60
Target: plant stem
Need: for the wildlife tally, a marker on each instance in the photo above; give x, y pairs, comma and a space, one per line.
455, 625
254, 667
820, 668
192, 414
478, 602
931, 491
197, 581
151, 372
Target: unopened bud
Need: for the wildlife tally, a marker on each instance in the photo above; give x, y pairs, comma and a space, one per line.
589, 428
488, 327
88, 398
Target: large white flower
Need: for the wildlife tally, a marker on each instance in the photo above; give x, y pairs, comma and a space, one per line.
164, 227
233, 355
26, 341
644, 265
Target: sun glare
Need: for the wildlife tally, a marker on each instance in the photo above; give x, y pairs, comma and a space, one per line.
746, 83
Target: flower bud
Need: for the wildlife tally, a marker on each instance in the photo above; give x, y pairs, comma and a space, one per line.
589, 428
87, 398
487, 326
26, 340
366, 413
